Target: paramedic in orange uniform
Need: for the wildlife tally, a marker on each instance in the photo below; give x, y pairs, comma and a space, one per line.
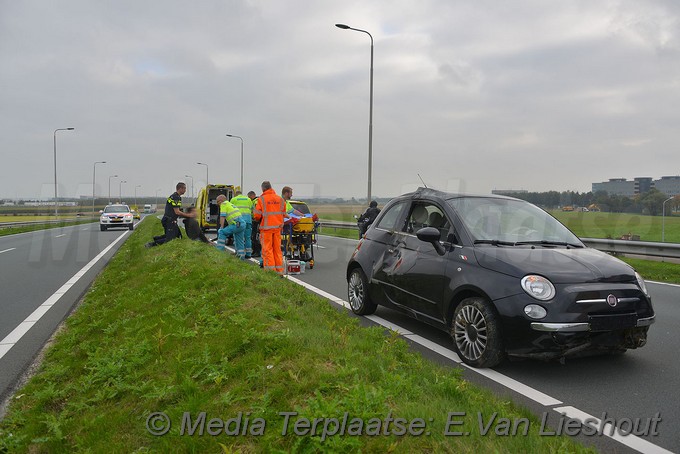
269, 211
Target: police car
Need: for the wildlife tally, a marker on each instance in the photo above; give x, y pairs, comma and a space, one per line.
116, 216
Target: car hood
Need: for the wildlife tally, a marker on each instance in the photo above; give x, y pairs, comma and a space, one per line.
560, 265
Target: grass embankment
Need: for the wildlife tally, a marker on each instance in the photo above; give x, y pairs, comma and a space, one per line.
655, 271
185, 328
32, 228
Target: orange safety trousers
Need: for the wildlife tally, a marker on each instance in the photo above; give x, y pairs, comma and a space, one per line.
272, 257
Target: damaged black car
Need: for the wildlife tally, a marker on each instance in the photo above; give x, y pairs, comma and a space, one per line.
501, 275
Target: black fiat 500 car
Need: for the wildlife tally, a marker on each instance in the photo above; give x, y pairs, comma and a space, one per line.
501, 275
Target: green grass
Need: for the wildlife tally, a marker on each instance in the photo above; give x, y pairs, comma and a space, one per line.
614, 225
32, 228
655, 271
185, 328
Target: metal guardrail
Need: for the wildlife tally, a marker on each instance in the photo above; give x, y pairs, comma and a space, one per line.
643, 248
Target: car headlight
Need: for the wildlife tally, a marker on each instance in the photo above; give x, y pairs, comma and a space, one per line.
103, 218
535, 311
538, 287
641, 283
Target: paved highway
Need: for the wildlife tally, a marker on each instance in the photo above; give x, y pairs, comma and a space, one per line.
638, 384
44, 273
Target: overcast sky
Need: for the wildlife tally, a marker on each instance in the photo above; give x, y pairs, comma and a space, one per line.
473, 96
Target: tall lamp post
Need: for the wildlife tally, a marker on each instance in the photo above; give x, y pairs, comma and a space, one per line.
206, 171
138, 186
120, 190
56, 211
192, 187
94, 174
239, 137
112, 176
370, 114
663, 220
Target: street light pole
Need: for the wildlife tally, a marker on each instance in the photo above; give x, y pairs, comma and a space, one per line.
192, 187
138, 186
56, 211
663, 220
370, 114
239, 137
94, 174
120, 190
112, 176
206, 171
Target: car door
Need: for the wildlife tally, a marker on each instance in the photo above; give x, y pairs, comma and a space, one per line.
418, 276
382, 239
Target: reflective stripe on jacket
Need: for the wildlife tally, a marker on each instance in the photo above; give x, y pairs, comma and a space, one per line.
230, 212
244, 204
269, 210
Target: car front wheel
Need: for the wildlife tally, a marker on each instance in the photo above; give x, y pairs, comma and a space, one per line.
357, 292
102, 228
476, 333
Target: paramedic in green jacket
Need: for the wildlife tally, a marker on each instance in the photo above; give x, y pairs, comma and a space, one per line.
245, 206
231, 223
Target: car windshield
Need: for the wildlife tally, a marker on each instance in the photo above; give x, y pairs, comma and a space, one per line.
301, 207
116, 209
507, 221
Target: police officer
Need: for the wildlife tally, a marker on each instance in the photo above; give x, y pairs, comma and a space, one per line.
172, 212
230, 215
245, 206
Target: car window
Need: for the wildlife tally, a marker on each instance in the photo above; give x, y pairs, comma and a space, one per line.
425, 214
301, 207
509, 220
117, 209
390, 216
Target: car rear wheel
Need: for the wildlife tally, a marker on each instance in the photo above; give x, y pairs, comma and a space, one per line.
357, 291
476, 333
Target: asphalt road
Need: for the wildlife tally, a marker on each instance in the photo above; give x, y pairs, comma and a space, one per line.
641, 383
44, 273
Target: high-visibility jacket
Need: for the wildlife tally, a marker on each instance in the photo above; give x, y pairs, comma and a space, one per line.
269, 210
230, 212
244, 204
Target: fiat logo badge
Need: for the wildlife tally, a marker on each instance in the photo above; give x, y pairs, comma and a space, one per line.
612, 300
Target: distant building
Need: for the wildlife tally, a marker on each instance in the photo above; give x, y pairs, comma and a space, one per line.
616, 186
669, 185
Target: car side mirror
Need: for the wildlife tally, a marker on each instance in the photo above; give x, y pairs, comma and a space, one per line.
431, 235
101, 211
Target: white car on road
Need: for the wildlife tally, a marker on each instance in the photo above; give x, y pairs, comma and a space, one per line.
116, 216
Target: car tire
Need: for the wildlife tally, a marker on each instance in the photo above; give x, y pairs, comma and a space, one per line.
475, 329
357, 292
132, 226
102, 228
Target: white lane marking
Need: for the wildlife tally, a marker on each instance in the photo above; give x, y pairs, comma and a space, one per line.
59, 236
609, 430
321, 247
662, 283
12, 338
631, 441
7, 250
